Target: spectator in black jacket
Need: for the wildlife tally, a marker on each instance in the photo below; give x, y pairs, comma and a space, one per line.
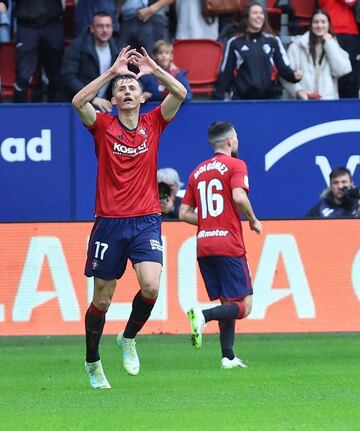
340, 200
40, 30
87, 57
252, 54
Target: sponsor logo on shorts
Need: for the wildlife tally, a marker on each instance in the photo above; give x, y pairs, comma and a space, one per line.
155, 245
210, 233
124, 150
95, 264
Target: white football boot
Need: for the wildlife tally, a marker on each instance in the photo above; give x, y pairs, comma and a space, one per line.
232, 363
131, 361
197, 322
96, 375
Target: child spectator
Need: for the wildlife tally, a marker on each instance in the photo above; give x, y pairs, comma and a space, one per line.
153, 89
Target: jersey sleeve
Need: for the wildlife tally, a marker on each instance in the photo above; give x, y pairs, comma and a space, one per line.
99, 123
158, 122
239, 176
189, 197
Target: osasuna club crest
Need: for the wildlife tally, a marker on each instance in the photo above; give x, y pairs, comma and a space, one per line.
143, 131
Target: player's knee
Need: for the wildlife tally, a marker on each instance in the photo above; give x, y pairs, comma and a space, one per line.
247, 302
102, 304
248, 309
150, 289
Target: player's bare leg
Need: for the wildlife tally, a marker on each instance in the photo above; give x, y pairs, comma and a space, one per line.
148, 274
94, 324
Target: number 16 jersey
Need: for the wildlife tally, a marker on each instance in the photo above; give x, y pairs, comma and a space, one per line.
210, 191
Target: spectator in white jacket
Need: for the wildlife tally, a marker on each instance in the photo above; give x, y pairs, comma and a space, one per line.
318, 54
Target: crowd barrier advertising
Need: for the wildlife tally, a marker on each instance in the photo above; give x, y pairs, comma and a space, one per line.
306, 277
290, 148
36, 174
48, 165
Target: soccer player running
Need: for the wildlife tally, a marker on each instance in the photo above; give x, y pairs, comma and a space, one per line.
218, 188
128, 209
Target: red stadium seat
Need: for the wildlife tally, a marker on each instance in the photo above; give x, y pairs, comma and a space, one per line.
201, 58
7, 69
8, 72
302, 11
274, 15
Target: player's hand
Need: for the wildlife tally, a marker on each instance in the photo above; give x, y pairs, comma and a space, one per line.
103, 104
256, 225
144, 62
145, 13
120, 66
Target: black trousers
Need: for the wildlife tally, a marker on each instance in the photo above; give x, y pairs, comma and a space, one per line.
31, 43
349, 84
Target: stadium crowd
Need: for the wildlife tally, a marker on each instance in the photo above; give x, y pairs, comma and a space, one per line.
61, 45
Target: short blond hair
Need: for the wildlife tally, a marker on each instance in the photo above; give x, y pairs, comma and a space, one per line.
162, 44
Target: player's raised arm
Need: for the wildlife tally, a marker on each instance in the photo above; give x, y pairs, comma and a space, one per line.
243, 204
81, 100
177, 92
187, 213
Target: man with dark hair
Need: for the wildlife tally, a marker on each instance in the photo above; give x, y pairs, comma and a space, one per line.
128, 221
340, 200
218, 188
87, 57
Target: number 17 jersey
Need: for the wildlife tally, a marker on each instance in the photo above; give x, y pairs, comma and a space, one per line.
210, 191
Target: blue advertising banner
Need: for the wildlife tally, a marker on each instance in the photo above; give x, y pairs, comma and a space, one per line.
290, 148
48, 165
36, 175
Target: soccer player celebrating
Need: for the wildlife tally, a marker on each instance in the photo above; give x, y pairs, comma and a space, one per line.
218, 188
128, 209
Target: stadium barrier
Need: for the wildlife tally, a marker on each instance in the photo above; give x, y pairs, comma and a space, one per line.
48, 165
306, 277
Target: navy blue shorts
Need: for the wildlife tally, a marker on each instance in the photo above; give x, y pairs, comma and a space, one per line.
226, 277
115, 240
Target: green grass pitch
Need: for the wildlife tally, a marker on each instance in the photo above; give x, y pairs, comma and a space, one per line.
294, 382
